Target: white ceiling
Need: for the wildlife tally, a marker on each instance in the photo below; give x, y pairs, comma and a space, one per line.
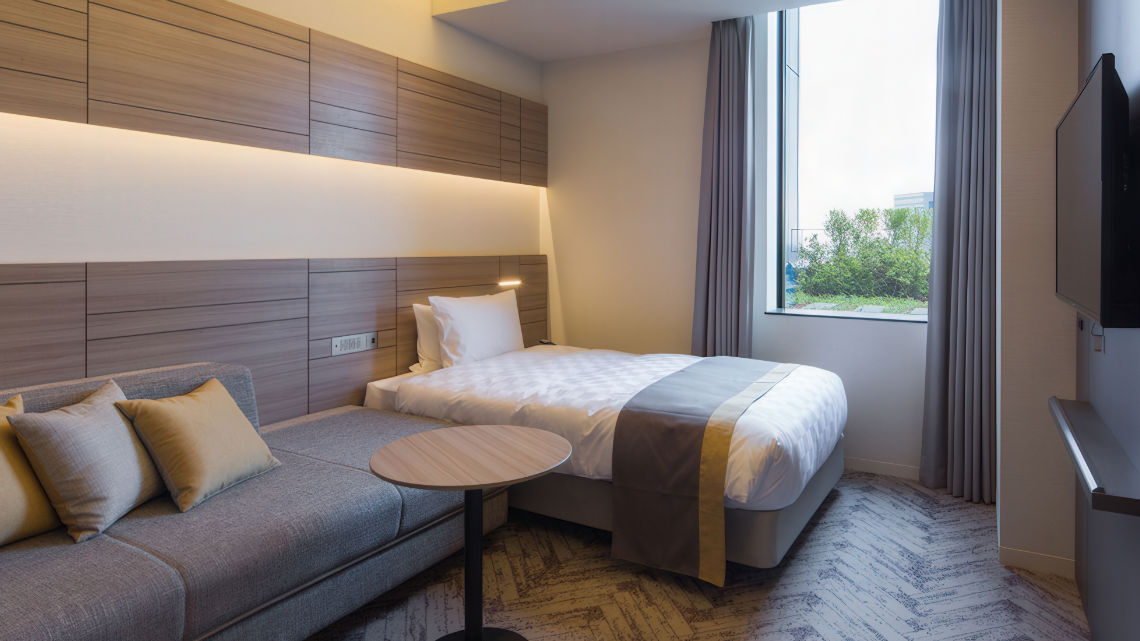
548, 30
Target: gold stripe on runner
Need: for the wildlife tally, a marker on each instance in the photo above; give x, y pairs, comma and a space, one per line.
714, 468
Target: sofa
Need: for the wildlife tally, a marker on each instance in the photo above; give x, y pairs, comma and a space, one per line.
278, 556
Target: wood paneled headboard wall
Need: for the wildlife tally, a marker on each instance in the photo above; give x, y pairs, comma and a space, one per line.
277, 317
218, 71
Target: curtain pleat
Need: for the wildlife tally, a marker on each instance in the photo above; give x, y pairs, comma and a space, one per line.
722, 310
959, 438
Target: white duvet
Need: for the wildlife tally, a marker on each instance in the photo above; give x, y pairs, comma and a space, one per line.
778, 444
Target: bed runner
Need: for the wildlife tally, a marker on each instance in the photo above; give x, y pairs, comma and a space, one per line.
670, 458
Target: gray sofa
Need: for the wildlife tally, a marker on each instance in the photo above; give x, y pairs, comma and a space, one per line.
279, 556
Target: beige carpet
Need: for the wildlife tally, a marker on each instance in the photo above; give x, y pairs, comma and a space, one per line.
884, 559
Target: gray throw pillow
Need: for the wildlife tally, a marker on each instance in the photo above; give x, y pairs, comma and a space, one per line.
91, 464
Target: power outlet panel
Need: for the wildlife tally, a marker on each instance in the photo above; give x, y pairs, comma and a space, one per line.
354, 343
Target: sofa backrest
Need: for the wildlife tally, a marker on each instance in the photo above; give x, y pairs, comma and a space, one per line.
161, 382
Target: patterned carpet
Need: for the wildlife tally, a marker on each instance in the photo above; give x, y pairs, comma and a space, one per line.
883, 559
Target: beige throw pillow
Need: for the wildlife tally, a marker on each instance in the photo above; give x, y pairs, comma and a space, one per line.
24, 508
202, 443
91, 464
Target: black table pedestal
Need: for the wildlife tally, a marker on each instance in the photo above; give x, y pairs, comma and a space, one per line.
473, 577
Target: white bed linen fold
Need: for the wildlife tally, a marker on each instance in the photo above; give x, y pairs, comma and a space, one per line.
778, 444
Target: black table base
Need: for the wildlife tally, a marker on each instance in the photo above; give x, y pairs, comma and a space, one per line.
473, 577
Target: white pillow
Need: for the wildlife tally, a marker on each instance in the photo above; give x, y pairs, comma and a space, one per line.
477, 327
427, 340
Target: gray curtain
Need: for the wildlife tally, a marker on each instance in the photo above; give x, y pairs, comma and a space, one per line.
722, 313
959, 437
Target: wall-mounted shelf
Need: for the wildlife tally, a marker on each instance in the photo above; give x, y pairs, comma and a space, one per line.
1104, 468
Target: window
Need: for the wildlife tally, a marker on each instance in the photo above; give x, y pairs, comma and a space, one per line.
856, 156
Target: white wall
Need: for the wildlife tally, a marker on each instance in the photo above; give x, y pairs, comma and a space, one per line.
1037, 333
625, 133
625, 157
73, 192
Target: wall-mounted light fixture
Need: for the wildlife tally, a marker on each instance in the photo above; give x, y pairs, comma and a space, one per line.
510, 283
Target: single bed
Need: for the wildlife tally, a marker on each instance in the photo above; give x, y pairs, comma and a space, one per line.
786, 452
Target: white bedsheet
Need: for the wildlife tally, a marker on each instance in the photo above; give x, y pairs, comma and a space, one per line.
778, 444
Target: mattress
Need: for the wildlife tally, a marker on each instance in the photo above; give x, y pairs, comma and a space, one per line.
778, 445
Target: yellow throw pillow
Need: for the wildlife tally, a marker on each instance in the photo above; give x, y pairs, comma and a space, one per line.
201, 443
24, 508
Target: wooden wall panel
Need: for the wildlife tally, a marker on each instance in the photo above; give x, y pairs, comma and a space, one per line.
41, 324
351, 76
175, 319
43, 60
161, 122
534, 142
510, 134
276, 352
342, 303
431, 126
336, 141
178, 66
431, 273
342, 380
123, 287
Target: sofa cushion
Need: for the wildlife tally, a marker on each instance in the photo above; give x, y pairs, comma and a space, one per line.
348, 436
89, 461
266, 536
200, 441
102, 589
24, 507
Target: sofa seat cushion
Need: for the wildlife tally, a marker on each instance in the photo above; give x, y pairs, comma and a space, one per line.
348, 436
266, 536
55, 588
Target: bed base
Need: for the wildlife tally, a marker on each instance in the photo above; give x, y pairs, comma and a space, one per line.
757, 538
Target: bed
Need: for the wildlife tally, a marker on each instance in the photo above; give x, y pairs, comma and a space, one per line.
786, 451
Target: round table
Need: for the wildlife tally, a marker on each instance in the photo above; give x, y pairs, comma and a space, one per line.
471, 458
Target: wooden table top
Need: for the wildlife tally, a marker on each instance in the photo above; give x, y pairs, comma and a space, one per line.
470, 457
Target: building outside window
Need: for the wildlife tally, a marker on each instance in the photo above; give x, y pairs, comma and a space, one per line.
857, 114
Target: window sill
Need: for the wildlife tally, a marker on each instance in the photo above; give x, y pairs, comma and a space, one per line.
827, 313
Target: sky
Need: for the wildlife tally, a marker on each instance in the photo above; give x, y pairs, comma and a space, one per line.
867, 82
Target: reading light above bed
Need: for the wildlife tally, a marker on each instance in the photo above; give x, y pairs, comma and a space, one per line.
510, 283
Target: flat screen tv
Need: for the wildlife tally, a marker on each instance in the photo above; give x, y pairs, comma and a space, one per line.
1098, 248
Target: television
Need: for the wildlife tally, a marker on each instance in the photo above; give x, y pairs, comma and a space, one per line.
1098, 238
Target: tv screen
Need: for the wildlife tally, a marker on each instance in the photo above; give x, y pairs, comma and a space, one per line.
1080, 197
1097, 256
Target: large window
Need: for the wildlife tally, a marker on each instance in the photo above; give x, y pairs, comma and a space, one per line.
856, 95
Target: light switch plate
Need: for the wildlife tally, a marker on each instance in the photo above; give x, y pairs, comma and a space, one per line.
354, 343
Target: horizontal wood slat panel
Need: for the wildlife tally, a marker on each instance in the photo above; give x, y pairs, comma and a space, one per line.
335, 141
162, 122
533, 333
145, 63
457, 271
45, 17
532, 259
41, 333
533, 291
509, 268
513, 132
275, 352
527, 316
40, 52
183, 15
404, 300
349, 75
350, 264
156, 321
342, 303
410, 160
342, 380
534, 174
32, 95
74, 5
510, 172
448, 79
406, 354
510, 110
322, 347
320, 112
534, 123
42, 273
121, 287
433, 127
250, 17
451, 94
510, 149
